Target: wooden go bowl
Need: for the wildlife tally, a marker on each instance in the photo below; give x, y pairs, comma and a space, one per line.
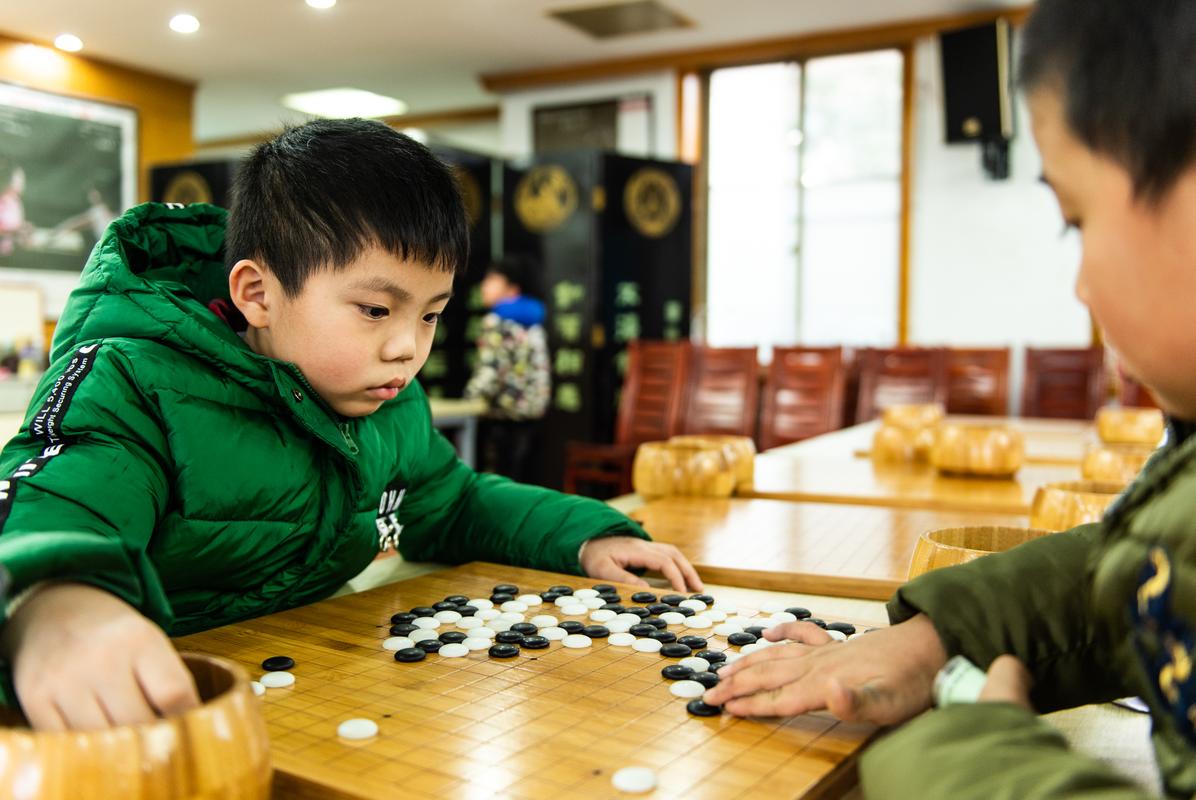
739, 450
669, 469
1130, 425
218, 751
951, 546
1115, 463
1059, 506
990, 451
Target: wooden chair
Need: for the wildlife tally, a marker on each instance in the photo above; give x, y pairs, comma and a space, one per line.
803, 396
1066, 383
898, 376
724, 392
650, 408
978, 381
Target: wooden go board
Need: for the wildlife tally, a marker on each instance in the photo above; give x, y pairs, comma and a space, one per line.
815, 548
549, 723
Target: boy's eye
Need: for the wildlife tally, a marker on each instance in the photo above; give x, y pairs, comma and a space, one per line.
373, 312
432, 318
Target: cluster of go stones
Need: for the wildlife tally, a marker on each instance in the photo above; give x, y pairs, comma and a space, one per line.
501, 626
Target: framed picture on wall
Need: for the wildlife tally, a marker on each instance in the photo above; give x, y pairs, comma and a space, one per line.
68, 167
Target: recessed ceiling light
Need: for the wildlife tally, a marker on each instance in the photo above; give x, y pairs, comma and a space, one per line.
184, 23
344, 103
321, 4
68, 42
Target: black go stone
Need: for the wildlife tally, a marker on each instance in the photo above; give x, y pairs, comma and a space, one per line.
713, 656
465, 611
675, 650
716, 667
685, 612
457, 599
277, 663
498, 598
659, 608
699, 708
696, 642
452, 637
534, 642
841, 627
596, 631
524, 628
639, 611
503, 651
603, 588
561, 590
430, 645
643, 629
740, 639
656, 622
444, 605
409, 654
799, 612
401, 630
550, 597
571, 626
423, 611
401, 619
610, 597
508, 637
615, 607
664, 637
505, 588
707, 679
705, 598
676, 672
755, 630
672, 599
820, 623
643, 597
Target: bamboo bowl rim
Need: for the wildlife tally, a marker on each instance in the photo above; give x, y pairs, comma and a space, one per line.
932, 536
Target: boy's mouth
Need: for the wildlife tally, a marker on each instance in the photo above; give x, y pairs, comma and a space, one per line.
387, 391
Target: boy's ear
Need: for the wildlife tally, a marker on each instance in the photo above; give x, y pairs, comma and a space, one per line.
247, 287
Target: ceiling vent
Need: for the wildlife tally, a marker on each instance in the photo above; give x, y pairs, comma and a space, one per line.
622, 19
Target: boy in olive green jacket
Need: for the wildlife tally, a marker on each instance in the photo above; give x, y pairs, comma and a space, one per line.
1102, 611
232, 425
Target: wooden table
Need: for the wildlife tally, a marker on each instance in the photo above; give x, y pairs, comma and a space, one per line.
547, 724
818, 548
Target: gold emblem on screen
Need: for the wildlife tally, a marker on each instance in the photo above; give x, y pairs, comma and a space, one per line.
187, 188
652, 202
545, 197
471, 194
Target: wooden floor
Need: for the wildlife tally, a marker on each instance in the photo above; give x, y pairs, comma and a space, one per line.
548, 724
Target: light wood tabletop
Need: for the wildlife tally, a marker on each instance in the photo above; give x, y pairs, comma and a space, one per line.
548, 723
817, 548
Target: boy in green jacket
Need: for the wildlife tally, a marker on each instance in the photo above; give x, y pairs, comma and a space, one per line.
1105, 610
231, 426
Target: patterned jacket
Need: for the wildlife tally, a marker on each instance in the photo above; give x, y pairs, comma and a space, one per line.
512, 372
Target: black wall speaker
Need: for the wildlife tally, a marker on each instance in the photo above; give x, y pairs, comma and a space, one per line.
977, 89
193, 182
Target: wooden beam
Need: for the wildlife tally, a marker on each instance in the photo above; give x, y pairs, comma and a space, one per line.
819, 43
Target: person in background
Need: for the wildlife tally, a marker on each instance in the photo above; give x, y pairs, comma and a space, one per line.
512, 372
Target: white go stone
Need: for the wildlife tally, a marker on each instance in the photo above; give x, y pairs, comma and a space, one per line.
583, 593
514, 605
277, 680
838, 636
781, 617
634, 780
726, 629
530, 600
617, 625
511, 617
484, 632
487, 614
716, 615
422, 635
500, 625
454, 651
357, 729
771, 607
723, 605
632, 619
565, 600
603, 615
696, 605
693, 662
577, 641
673, 618
574, 610
476, 643
687, 689
698, 621
469, 623
481, 604
593, 602
448, 617
748, 649
397, 643
258, 689
647, 645
732, 656
427, 623
544, 621
621, 639
554, 634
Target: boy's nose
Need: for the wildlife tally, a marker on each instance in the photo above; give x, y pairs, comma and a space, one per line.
400, 346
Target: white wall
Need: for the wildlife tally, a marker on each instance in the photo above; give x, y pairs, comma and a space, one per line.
989, 266
517, 107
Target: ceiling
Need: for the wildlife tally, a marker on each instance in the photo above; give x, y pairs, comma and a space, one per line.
248, 53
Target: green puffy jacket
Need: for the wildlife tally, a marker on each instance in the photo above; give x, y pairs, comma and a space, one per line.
165, 461
1096, 613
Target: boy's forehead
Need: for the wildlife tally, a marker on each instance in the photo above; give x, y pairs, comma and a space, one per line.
387, 274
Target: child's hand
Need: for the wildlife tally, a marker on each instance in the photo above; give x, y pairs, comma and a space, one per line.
84, 659
609, 557
1008, 682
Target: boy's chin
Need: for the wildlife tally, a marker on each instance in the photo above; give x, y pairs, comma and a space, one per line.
356, 408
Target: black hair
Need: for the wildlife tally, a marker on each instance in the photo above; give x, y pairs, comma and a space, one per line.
520, 270
320, 194
1126, 77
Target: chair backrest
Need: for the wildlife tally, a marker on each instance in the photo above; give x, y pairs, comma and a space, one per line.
654, 387
899, 376
803, 396
1133, 394
1068, 383
724, 391
978, 381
